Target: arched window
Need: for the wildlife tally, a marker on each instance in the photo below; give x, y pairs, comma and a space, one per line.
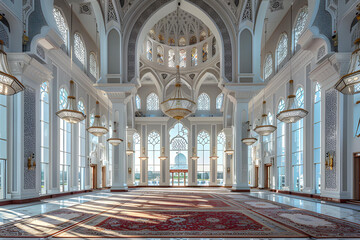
203, 36
3, 144
300, 24
82, 148
178, 151
161, 39
149, 50
194, 57
152, 102
171, 41
79, 48
219, 101
136, 139
61, 25
160, 55
153, 160
93, 65
171, 60
203, 103
138, 102
182, 56
182, 42
317, 138
297, 143
63, 98
268, 66
203, 164
280, 153
193, 40
45, 135
221, 144
282, 49
214, 46
152, 34
205, 52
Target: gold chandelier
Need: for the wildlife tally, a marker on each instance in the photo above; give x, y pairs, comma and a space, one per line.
265, 128
71, 113
96, 129
178, 106
115, 140
249, 140
9, 84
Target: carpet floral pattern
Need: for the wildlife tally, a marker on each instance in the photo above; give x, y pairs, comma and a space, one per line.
189, 213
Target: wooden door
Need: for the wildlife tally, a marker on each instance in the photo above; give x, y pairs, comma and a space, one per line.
94, 176
256, 176
266, 182
103, 175
357, 176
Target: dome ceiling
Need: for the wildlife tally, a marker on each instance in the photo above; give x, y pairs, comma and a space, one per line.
180, 28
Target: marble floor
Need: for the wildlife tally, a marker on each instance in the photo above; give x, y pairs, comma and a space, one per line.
344, 211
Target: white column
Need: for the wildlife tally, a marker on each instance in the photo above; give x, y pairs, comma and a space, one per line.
213, 154
228, 159
192, 164
75, 158
261, 175
143, 157
129, 143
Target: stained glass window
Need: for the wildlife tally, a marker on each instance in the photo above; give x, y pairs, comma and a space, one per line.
160, 55
63, 98
221, 140
202, 36
300, 24
138, 102
182, 41
182, 55
219, 101
79, 48
171, 62
203, 164
205, 52
171, 41
152, 34
153, 160
61, 25
137, 165
152, 102
203, 103
194, 57
93, 65
161, 39
149, 50
280, 149
268, 69
317, 138
193, 40
282, 49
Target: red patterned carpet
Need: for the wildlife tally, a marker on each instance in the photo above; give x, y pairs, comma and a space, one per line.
190, 213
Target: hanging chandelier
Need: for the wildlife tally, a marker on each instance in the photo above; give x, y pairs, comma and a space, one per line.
129, 150
96, 129
178, 106
229, 150
114, 140
265, 128
9, 84
249, 140
194, 155
292, 112
71, 113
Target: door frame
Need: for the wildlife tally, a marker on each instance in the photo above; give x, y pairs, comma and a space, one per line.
256, 185
356, 180
94, 176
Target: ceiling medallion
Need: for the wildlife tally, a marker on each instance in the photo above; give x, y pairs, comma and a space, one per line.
292, 112
71, 113
178, 106
96, 129
114, 140
265, 128
249, 140
9, 84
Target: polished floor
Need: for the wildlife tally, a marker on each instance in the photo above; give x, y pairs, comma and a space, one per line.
347, 212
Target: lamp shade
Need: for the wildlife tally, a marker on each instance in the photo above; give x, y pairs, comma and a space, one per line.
265, 128
115, 140
249, 140
96, 129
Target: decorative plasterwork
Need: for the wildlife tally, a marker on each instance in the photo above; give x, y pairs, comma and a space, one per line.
85, 8
276, 5
111, 12
247, 13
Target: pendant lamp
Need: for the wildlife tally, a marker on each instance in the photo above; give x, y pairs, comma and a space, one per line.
265, 128
249, 140
114, 140
229, 150
194, 156
96, 129
129, 150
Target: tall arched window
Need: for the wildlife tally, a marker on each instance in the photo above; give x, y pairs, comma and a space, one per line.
268, 66
221, 144
82, 147
219, 101
193, 40
65, 146
136, 143
282, 49
152, 102
160, 55
171, 61
79, 48
280, 152
45, 135
138, 102
182, 56
203, 103
149, 50
194, 57
61, 25
317, 138
297, 131
203, 164
203, 36
178, 151
182, 42
214, 46
171, 41
300, 24
161, 39
153, 160
205, 51
3, 144
93, 65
